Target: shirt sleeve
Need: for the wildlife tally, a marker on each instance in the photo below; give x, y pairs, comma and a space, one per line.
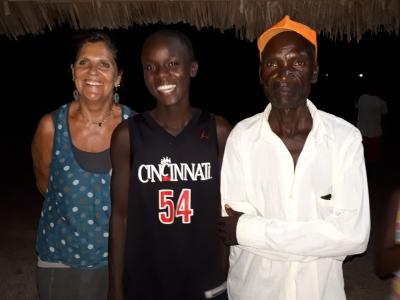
344, 232
230, 182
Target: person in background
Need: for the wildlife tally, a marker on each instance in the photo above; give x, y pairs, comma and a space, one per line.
72, 166
293, 183
388, 247
165, 186
371, 108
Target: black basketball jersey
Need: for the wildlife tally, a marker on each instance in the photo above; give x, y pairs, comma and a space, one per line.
172, 250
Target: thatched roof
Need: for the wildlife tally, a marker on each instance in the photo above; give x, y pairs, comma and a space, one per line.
335, 18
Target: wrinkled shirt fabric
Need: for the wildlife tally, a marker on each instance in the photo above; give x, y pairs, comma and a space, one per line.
299, 222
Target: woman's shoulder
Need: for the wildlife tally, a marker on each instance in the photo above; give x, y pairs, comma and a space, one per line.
47, 121
127, 111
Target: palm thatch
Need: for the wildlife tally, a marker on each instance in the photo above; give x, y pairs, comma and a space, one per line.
334, 18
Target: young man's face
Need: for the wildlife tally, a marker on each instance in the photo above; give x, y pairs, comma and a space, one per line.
167, 69
287, 70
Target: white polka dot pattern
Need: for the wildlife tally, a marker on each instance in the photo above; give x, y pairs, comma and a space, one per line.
73, 228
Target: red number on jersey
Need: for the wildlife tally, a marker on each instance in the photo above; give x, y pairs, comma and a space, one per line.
165, 202
183, 206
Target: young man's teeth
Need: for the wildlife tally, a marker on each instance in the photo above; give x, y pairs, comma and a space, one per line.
166, 88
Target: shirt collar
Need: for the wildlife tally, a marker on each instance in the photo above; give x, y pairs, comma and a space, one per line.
318, 130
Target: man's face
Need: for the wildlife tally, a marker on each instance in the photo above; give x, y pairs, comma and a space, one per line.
287, 70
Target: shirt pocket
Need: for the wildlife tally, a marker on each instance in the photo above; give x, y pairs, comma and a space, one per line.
324, 203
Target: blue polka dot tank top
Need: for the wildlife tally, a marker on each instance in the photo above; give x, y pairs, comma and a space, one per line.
73, 226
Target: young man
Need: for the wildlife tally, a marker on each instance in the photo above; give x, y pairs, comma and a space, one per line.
293, 183
165, 187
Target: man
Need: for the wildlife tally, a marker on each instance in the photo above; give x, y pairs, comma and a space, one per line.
371, 108
165, 187
293, 183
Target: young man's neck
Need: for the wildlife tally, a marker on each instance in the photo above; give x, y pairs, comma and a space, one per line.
172, 119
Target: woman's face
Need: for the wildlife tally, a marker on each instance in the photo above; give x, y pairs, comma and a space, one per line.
95, 72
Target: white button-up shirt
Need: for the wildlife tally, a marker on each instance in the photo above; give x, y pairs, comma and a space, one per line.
298, 223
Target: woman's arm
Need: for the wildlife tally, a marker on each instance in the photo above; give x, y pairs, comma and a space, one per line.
121, 164
388, 253
41, 149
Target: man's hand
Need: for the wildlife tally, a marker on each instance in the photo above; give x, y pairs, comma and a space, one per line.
227, 226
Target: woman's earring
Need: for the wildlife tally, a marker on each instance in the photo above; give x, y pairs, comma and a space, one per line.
116, 95
75, 94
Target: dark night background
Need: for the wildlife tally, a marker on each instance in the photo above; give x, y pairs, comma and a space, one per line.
37, 79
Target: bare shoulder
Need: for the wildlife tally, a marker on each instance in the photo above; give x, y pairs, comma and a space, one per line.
44, 133
122, 130
120, 136
223, 126
46, 124
223, 130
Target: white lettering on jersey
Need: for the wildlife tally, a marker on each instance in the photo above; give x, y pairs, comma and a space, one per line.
167, 171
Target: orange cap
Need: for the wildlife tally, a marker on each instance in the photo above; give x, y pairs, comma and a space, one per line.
286, 24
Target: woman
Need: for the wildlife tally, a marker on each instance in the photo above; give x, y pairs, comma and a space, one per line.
71, 161
388, 249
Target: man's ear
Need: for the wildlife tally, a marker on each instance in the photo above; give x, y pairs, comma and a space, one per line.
193, 69
314, 76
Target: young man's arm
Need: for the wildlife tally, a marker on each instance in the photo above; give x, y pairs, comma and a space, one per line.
121, 164
223, 130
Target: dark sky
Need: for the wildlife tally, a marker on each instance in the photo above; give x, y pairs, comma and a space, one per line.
37, 74
37, 79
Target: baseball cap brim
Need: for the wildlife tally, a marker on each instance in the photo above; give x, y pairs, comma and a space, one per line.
286, 24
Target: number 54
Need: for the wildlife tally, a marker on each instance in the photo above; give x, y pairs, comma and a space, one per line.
182, 210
